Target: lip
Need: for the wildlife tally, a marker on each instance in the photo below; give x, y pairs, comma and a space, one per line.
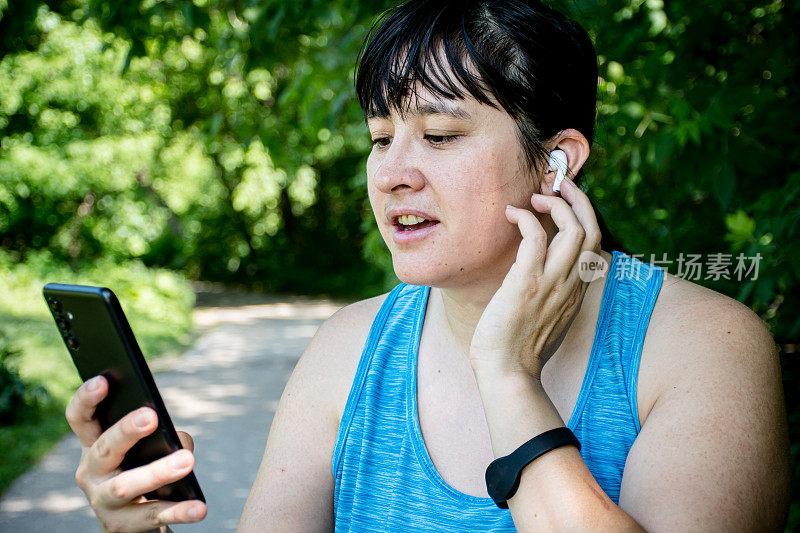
402, 236
407, 236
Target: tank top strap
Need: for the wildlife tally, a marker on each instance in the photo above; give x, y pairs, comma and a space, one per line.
638, 285
606, 416
629, 295
367, 354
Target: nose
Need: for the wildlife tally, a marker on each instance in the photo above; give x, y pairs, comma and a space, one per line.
397, 167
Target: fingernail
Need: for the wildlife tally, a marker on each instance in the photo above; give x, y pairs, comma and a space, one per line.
509, 207
194, 513
179, 462
93, 383
142, 419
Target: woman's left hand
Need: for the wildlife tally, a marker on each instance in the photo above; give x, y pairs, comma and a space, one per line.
528, 317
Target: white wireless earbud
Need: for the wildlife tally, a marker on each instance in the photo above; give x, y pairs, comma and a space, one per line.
558, 162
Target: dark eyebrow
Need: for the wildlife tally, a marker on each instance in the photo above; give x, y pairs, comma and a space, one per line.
430, 108
437, 108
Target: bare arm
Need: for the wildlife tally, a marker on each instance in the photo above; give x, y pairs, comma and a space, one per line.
293, 490
556, 492
713, 452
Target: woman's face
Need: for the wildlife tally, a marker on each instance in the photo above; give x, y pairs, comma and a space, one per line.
457, 164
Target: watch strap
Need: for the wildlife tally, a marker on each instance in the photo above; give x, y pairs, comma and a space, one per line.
503, 474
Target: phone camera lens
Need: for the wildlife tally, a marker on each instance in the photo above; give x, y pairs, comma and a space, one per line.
55, 305
72, 342
63, 323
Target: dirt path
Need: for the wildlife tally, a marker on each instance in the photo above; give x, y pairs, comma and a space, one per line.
223, 390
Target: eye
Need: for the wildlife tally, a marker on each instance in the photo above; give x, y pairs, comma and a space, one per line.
381, 142
439, 140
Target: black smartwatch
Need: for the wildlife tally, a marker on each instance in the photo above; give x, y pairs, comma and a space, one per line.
502, 474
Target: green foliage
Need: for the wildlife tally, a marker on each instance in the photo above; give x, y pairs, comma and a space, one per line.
227, 122
158, 304
18, 400
38, 434
224, 138
200, 144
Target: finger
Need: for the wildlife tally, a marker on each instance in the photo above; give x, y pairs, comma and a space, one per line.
80, 411
110, 448
566, 245
186, 440
151, 515
582, 207
533, 247
128, 485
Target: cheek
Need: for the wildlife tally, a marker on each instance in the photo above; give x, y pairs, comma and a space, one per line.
378, 216
483, 229
371, 166
467, 174
372, 190
482, 171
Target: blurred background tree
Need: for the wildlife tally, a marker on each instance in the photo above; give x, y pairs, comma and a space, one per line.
221, 140
196, 138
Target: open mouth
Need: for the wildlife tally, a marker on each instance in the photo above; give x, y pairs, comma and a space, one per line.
413, 222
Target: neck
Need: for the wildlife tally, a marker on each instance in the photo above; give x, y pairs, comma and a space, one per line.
461, 309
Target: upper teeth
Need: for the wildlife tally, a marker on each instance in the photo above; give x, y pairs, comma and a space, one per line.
409, 220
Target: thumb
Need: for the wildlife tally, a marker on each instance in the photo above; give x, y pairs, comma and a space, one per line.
186, 440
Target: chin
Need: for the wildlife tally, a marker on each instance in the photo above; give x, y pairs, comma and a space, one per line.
415, 274
453, 267
429, 275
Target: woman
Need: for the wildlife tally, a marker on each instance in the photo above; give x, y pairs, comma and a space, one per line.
401, 402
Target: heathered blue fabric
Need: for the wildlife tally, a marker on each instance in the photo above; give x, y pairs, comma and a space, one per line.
385, 479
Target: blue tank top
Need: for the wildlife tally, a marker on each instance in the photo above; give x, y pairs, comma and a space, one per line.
385, 479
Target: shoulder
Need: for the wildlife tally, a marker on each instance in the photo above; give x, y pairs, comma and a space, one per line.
333, 354
715, 430
694, 329
695, 333
347, 329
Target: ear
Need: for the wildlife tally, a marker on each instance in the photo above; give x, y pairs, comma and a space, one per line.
575, 145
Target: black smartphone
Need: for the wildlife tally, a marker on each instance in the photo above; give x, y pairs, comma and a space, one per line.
101, 342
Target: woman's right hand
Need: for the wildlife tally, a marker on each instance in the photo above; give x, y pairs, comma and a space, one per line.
116, 495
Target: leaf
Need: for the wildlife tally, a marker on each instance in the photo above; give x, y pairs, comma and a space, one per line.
275, 23
724, 183
663, 148
740, 228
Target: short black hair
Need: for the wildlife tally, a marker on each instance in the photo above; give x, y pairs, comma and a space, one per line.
537, 64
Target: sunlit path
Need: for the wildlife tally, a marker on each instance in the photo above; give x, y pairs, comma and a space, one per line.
224, 391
